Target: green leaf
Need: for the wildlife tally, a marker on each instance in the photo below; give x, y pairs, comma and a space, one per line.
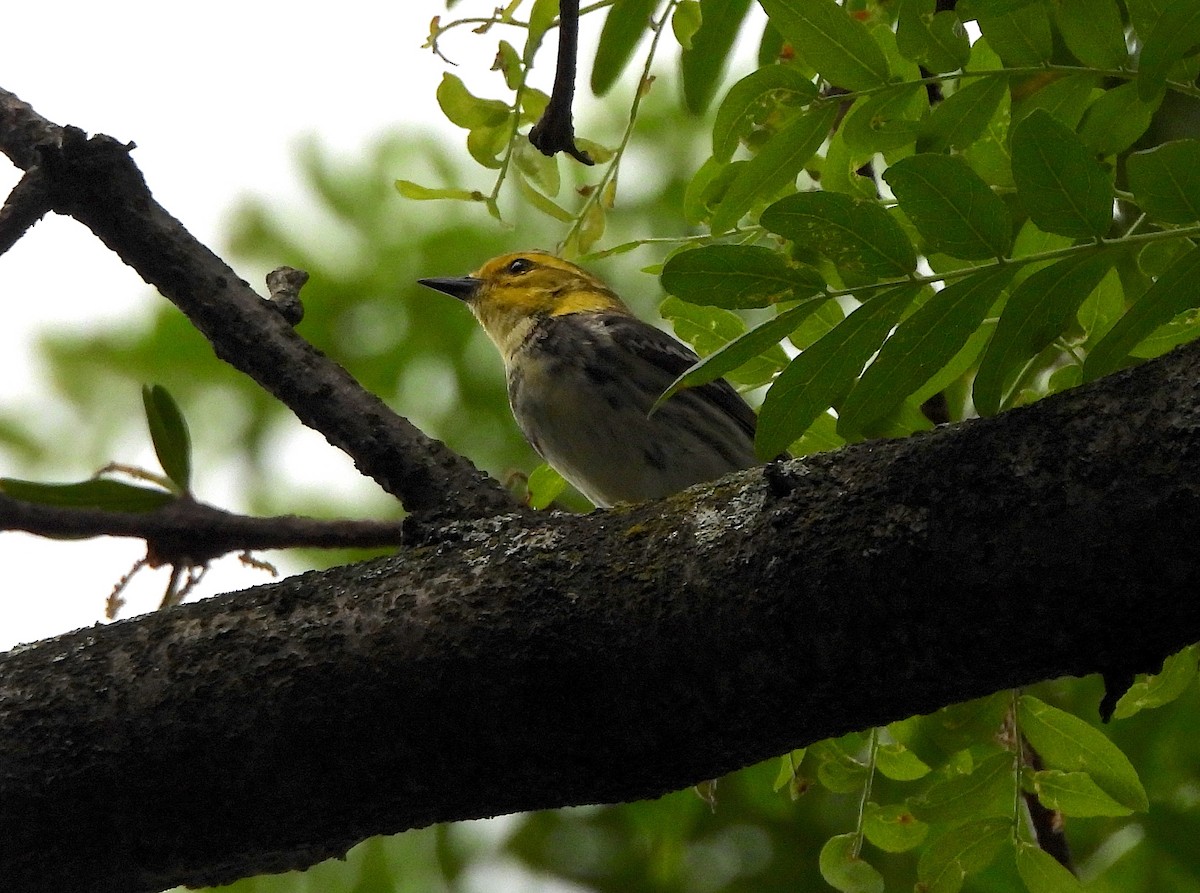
736, 353
1066, 98
898, 762
825, 36
1019, 36
822, 375
893, 828
1038, 310
1058, 180
708, 329
1074, 794
686, 21
701, 67
416, 192
626, 22
547, 206
951, 206
1176, 36
776, 165
859, 237
920, 346
466, 110
543, 486
1178, 672
837, 770
1165, 181
963, 117
986, 791
101, 493
1175, 290
962, 850
936, 40
752, 99
1116, 120
1093, 31
1042, 873
789, 768
738, 276
541, 17
169, 434
845, 871
484, 144
1067, 742
887, 120
820, 437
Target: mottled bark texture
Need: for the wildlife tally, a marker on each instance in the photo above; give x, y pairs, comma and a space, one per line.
528, 662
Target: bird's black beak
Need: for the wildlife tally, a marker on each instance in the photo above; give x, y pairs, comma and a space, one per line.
463, 287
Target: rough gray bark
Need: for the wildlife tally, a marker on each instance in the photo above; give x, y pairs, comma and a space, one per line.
528, 662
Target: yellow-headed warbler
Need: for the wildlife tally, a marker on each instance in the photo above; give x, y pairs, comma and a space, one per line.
583, 374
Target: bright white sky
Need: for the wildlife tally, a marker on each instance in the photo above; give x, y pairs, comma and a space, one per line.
215, 95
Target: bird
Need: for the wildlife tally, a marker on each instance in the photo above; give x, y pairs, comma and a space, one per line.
583, 375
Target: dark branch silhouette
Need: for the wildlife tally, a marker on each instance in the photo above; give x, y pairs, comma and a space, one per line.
555, 131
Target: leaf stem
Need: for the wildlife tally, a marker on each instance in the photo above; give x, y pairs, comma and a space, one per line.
872, 753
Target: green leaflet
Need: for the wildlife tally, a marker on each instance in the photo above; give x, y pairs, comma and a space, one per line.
1067, 742
920, 346
169, 434
859, 237
701, 67
1039, 309
1175, 290
955, 211
626, 22
752, 99
821, 375
1058, 179
1165, 181
1176, 35
776, 165
828, 39
740, 276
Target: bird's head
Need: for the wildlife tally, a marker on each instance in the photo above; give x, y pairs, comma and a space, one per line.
509, 293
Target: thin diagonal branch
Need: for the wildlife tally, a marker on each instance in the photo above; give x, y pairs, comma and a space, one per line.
96, 182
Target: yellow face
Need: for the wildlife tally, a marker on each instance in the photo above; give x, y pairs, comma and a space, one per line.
513, 290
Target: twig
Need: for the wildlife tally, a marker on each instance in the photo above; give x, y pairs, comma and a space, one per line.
555, 131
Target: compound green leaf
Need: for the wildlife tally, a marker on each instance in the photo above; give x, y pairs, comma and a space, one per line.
822, 375
920, 346
1067, 742
1038, 310
752, 99
859, 237
951, 206
825, 36
1175, 290
1058, 179
776, 165
1165, 181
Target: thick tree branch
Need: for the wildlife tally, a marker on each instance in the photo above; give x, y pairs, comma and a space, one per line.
523, 662
95, 181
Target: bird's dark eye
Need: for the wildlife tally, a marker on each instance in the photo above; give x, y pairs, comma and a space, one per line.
520, 265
